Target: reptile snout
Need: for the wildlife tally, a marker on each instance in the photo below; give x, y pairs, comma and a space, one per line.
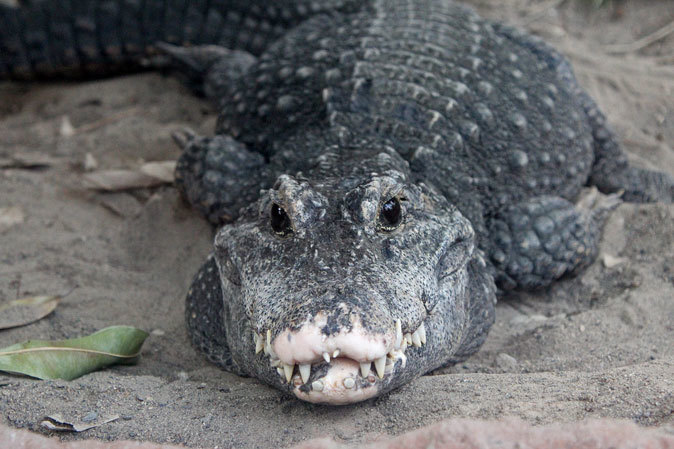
325, 362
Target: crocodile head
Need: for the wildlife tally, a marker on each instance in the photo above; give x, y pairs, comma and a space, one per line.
343, 289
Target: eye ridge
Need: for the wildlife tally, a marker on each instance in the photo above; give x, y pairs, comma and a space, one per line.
390, 215
280, 221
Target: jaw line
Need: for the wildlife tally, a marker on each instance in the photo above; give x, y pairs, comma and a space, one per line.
340, 368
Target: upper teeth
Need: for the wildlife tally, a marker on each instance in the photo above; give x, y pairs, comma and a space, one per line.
382, 365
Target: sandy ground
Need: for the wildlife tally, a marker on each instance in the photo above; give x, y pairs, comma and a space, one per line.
600, 345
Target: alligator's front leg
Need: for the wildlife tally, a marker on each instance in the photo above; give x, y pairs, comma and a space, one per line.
532, 243
219, 175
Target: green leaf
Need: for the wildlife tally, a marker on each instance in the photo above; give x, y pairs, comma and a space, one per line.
69, 359
27, 310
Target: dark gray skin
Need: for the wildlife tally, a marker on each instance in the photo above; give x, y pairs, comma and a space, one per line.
383, 168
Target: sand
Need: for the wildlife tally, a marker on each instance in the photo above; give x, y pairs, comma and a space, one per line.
600, 345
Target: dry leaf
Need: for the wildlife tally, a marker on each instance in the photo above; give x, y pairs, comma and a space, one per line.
26, 310
147, 175
57, 423
27, 161
163, 170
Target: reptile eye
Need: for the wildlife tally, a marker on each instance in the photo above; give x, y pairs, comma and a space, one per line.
280, 221
390, 215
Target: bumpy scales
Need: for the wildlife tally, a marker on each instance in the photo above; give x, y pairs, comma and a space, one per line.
380, 168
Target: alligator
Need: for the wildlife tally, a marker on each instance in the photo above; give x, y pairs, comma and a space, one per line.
381, 171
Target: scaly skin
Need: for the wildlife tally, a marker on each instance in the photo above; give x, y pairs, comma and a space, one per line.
380, 170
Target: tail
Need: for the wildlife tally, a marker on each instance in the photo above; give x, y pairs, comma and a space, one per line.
84, 38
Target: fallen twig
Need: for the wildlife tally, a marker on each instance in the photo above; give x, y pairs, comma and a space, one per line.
643, 42
67, 130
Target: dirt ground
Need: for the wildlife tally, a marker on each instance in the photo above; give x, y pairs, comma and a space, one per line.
599, 345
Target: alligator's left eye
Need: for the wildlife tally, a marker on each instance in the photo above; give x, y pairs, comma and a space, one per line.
390, 215
280, 221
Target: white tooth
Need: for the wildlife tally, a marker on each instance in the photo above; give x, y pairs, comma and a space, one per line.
279, 370
408, 339
275, 363
416, 340
326, 357
288, 371
335, 354
259, 345
380, 365
365, 368
270, 352
267, 347
317, 385
403, 346
349, 382
403, 357
305, 370
399, 334
422, 333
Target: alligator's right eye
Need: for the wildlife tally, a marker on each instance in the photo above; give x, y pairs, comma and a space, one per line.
390, 215
280, 221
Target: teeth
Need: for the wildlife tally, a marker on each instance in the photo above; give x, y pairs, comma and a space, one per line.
422, 333
380, 365
416, 339
305, 370
365, 368
259, 344
288, 371
399, 334
267, 346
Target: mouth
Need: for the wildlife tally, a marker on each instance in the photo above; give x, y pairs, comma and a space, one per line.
343, 368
